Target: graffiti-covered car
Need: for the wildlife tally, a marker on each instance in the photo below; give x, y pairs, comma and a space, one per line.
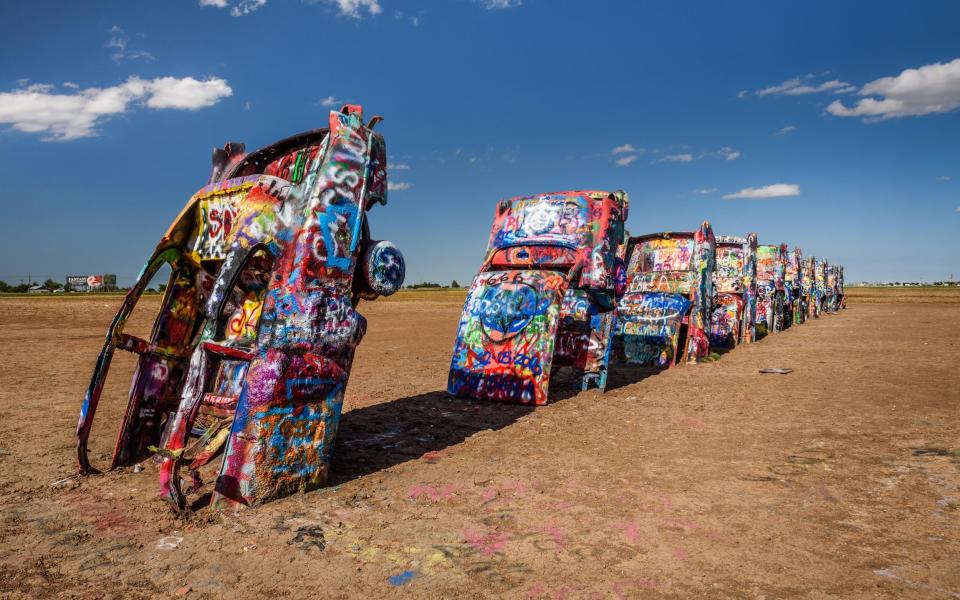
544, 297
823, 292
663, 316
735, 291
841, 296
834, 287
795, 308
809, 287
250, 353
771, 294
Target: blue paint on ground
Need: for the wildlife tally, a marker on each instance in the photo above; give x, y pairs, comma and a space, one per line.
402, 578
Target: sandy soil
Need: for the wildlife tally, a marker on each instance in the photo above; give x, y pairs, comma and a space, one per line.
841, 479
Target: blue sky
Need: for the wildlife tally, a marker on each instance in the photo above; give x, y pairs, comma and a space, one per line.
830, 125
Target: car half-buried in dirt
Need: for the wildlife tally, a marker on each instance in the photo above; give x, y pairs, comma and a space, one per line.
250, 353
795, 309
663, 316
824, 295
545, 297
809, 287
771, 293
735, 289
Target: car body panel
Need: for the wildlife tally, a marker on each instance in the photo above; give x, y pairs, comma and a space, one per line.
669, 285
270, 325
544, 296
735, 286
771, 292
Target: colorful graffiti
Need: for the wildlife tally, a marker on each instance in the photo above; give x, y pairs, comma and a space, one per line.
259, 325
771, 290
544, 297
664, 315
795, 309
735, 285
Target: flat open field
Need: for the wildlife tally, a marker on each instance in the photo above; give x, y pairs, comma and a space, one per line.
838, 480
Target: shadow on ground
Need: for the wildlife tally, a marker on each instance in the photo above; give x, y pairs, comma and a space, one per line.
376, 437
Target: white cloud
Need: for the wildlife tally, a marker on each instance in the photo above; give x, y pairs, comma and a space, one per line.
120, 42
500, 4
245, 7
926, 90
624, 149
186, 93
399, 186
623, 161
64, 117
742, 94
798, 87
786, 130
958, 209
729, 153
240, 9
331, 102
944, 178
777, 190
400, 167
401, 16
71, 85
353, 8
704, 191
677, 158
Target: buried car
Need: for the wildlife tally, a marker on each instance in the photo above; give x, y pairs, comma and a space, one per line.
735, 289
663, 316
795, 308
251, 351
771, 295
823, 293
545, 296
809, 286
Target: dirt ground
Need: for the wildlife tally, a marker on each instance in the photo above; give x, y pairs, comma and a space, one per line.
838, 480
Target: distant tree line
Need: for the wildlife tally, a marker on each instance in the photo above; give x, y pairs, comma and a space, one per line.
429, 284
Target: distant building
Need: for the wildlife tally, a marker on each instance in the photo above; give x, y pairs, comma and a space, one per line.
92, 283
37, 289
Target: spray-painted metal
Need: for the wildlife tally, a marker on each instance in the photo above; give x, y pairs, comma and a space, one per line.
835, 299
809, 287
545, 296
251, 352
735, 289
841, 296
663, 317
795, 309
823, 293
771, 291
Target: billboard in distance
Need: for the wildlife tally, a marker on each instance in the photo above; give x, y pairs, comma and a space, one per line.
92, 283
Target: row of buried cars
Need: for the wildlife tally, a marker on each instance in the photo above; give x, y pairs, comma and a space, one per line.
564, 285
237, 391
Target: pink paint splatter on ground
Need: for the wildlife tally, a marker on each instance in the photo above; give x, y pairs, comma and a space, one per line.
488, 495
562, 505
434, 494
487, 543
680, 554
631, 531
559, 538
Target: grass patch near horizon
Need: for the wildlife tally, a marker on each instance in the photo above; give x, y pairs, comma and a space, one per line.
918, 294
